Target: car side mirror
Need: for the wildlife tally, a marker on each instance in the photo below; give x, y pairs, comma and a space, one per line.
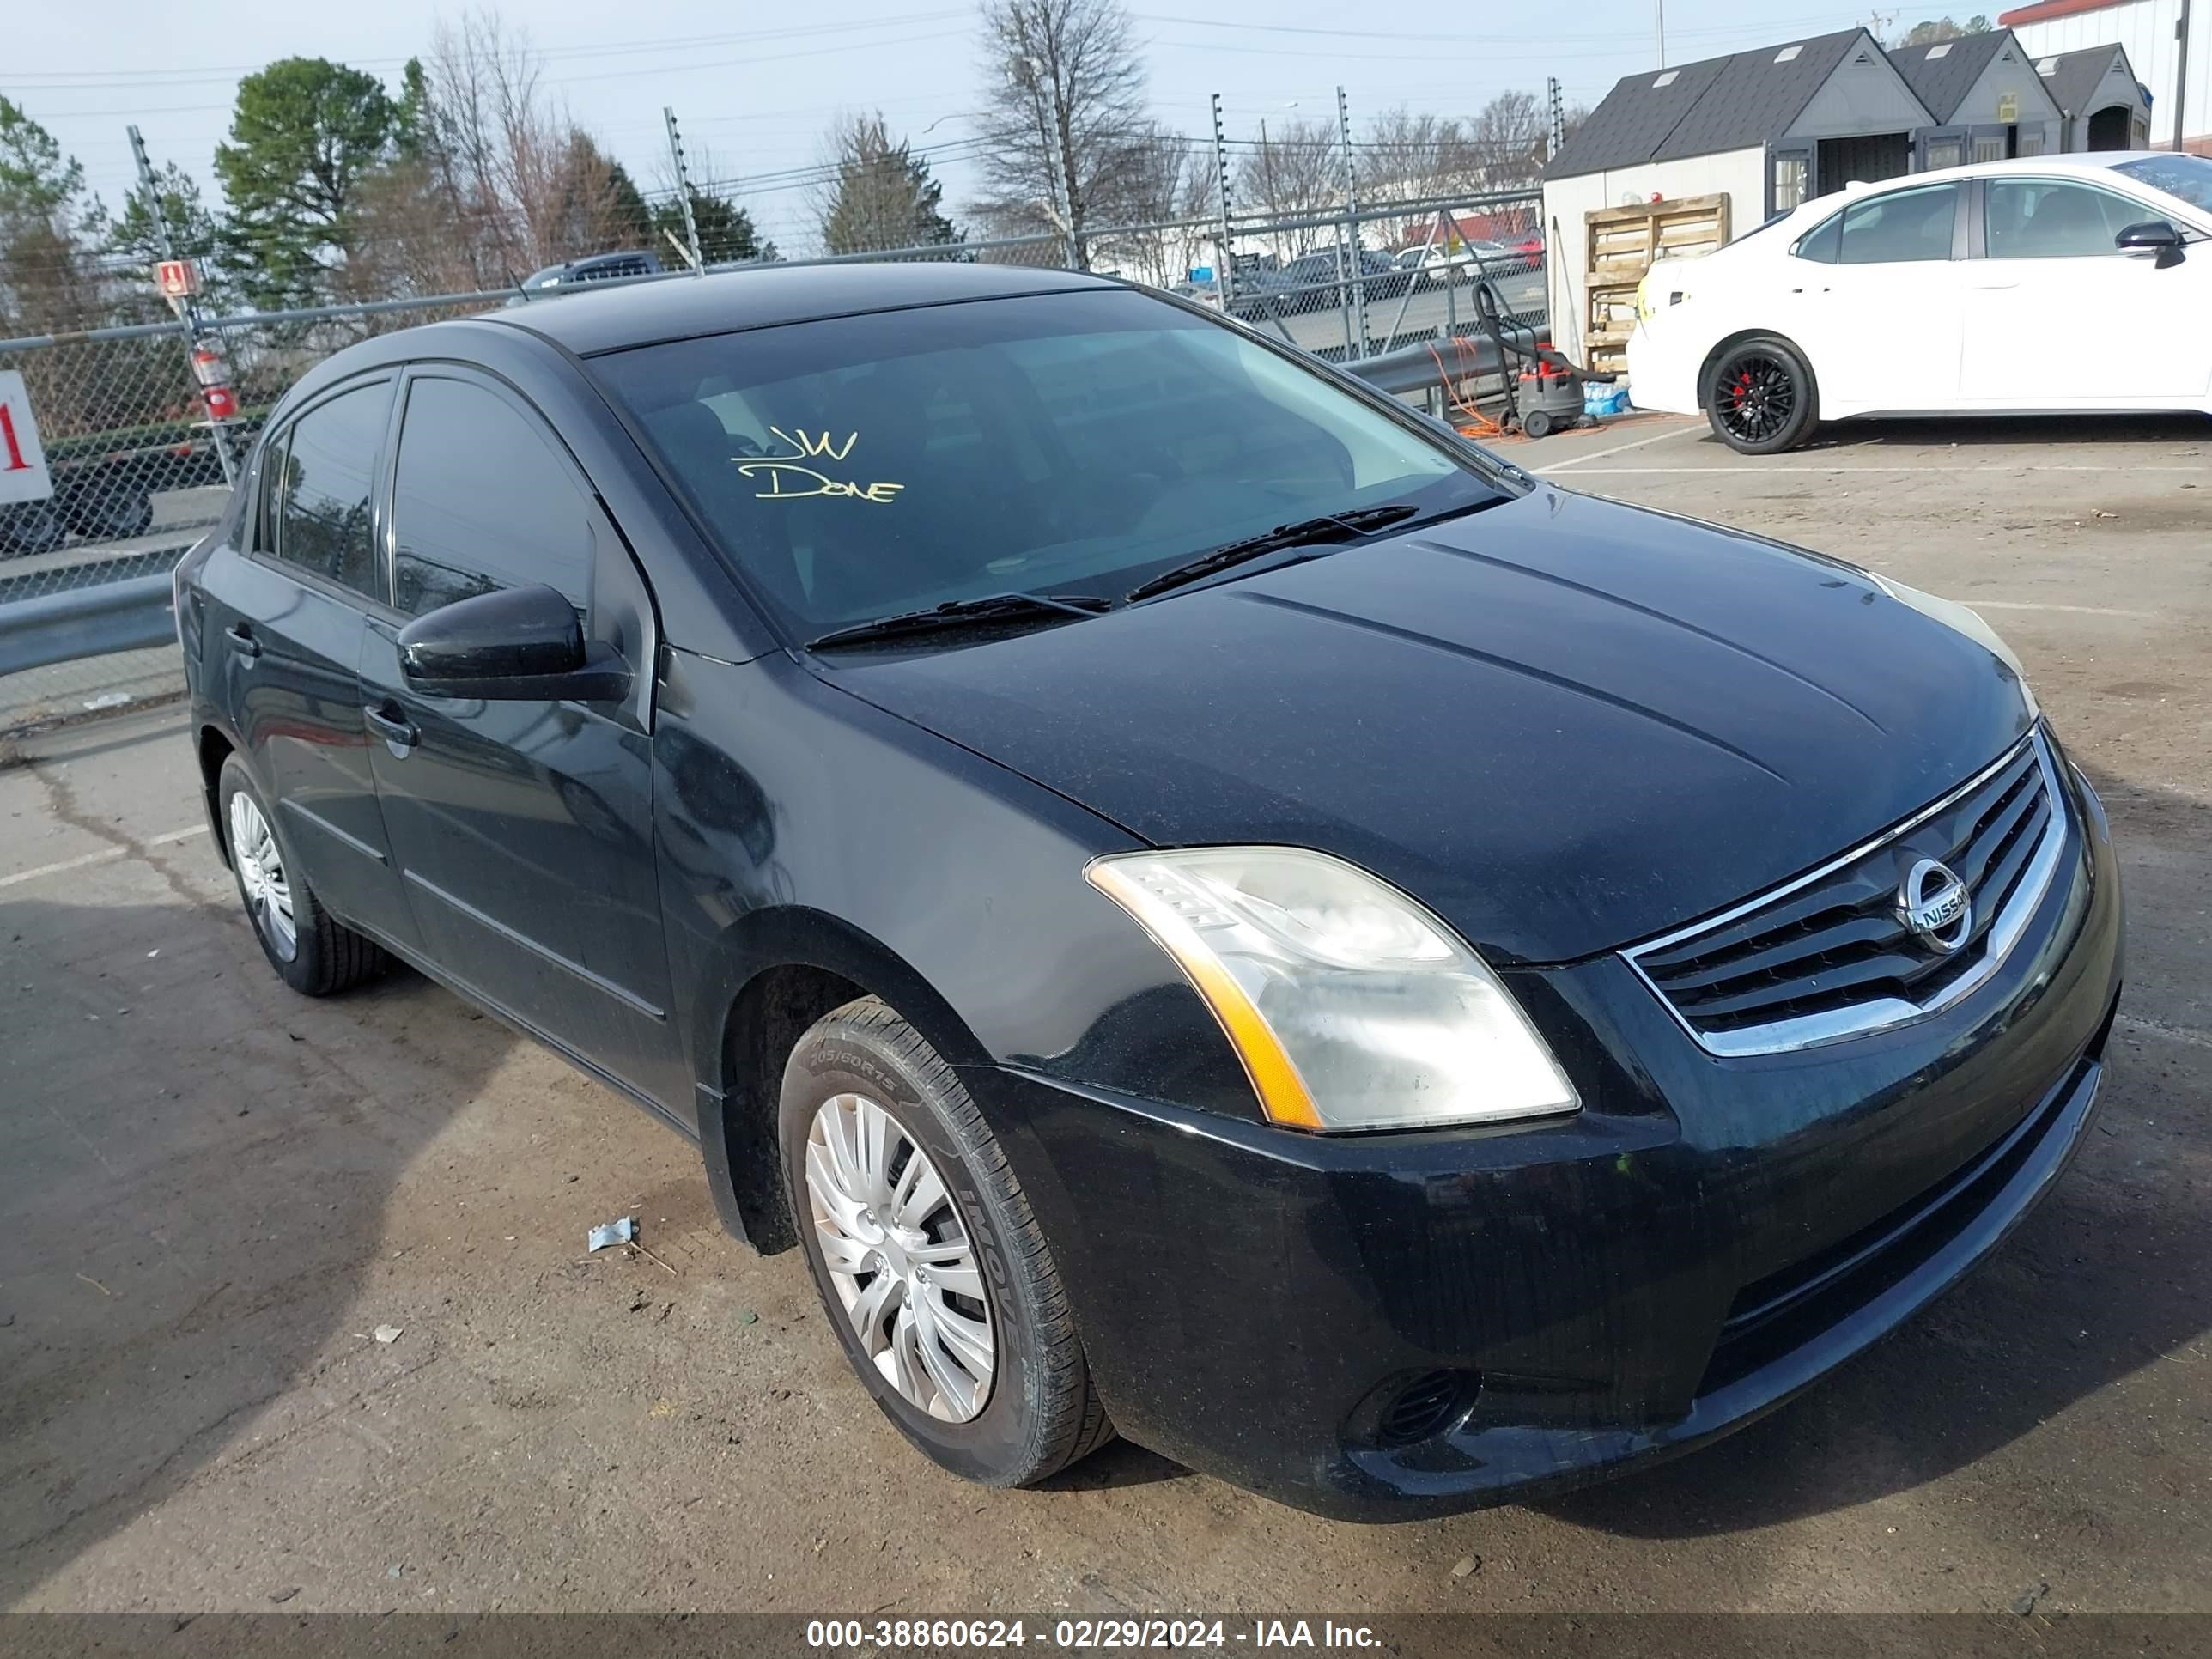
516, 645
2153, 233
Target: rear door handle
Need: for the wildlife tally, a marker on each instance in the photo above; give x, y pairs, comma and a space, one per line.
399, 732
242, 640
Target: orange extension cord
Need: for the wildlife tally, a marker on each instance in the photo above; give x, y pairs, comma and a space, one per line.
1472, 423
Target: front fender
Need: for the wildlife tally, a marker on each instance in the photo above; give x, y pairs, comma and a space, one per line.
797, 825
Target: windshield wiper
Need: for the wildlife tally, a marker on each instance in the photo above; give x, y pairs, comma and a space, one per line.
1306, 532
962, 613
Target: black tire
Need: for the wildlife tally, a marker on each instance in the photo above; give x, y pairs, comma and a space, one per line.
323, 956
1536, 423
32, 527
1760, 396
111, 515
1041, 1413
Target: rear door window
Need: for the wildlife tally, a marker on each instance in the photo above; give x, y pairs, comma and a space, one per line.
481, 500
321, 493
1903, 226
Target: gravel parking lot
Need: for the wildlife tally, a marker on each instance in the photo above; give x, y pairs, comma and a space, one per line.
216, 1193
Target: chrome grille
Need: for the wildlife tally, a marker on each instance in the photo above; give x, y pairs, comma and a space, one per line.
1831, 956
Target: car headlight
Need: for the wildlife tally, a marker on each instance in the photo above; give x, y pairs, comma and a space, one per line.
1963, 619
1351, 1007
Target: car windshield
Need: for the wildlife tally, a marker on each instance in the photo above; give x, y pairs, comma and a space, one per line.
1081, 443
2188, 177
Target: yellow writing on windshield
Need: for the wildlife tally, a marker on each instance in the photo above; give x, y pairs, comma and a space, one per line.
790, 479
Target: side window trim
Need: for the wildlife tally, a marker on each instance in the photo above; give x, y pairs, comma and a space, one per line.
1978, 223
607, 538
437, 369
1959, 220
271, 487
1796, 247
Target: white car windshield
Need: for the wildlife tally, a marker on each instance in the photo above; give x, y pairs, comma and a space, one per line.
2188, 177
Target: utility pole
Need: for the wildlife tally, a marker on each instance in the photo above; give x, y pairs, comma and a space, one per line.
1555, 124
1662, 32
684, 194
1351, 223
188, 309
1063, 195
1225, 273
2180, 77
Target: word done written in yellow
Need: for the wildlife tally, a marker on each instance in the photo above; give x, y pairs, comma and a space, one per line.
789, 478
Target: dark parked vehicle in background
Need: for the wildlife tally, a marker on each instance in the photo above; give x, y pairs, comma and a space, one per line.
593, 268
1206, 905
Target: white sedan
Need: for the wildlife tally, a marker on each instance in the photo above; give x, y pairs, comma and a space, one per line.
2074, 283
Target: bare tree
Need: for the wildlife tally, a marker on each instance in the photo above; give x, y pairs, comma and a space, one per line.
1168, 191
493, 178
1065, 88
1509, 136
1296, 170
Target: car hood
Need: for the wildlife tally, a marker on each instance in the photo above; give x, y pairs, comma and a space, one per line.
1561, 723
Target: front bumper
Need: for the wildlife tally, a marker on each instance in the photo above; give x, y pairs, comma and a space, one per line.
1704, 1239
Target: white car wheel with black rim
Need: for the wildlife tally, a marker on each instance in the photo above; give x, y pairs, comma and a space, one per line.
933, 1272
312, 950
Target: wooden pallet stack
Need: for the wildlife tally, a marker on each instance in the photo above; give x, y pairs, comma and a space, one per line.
1622, 241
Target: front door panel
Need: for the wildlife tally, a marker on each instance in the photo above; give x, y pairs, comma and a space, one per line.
523, 832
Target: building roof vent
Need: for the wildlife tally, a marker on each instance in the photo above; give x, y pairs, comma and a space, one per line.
1786, 53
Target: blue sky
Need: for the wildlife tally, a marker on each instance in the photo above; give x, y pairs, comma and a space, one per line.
755, 87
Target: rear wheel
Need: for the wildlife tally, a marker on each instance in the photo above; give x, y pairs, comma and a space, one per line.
929, 1264
111, 514
1760, 396
312, 950
32, 527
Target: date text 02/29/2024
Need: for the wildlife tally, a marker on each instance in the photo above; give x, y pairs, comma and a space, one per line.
1169, 1634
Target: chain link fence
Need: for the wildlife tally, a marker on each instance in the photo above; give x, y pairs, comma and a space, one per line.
140, 473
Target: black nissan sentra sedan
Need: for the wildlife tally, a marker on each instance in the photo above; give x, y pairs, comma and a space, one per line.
1208, 906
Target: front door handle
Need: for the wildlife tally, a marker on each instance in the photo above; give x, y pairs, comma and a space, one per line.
396, 731
242, 640
1985, 287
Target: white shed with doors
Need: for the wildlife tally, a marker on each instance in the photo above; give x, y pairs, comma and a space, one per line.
1988, 102
2101, 105
1764, 129
2149, 31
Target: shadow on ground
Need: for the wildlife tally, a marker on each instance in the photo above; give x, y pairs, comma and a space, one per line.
194, 1167
1989, 431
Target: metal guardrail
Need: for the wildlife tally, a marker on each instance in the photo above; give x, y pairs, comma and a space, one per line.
87, 621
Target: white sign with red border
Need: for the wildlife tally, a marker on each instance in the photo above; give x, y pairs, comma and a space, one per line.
178, 279
23, 474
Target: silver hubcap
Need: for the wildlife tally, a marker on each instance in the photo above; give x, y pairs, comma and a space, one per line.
260, 864
899, 1257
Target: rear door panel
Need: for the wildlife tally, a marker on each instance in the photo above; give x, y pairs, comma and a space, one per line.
280, 653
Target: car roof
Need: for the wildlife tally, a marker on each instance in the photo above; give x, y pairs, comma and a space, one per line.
2094, 161
586, 319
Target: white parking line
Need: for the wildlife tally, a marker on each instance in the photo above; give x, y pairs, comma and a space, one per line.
105, 855
1600, 454
2074, 610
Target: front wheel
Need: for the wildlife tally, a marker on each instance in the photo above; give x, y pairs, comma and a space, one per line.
929, 1264
1760, 396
